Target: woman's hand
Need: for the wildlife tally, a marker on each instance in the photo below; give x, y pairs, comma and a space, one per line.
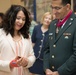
22, 61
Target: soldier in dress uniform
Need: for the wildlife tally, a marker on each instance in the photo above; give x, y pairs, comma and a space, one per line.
60, 51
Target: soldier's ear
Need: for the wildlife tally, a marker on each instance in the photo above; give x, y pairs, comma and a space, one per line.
68, 6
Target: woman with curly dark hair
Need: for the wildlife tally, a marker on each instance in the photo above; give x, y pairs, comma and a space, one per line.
16, 52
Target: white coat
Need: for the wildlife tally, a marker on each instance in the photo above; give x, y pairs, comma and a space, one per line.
8, 53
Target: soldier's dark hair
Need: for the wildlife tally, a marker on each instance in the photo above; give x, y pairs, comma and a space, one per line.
64, 2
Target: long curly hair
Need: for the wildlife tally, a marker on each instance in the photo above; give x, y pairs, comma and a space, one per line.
10, 17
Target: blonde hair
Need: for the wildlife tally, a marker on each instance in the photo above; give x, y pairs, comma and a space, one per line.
45, 14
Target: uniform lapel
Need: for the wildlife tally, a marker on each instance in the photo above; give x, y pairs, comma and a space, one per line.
54, 32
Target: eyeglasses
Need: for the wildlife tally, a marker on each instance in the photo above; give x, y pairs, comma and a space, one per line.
56, 8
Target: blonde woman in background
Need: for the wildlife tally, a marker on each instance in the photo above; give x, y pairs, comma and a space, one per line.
39, 38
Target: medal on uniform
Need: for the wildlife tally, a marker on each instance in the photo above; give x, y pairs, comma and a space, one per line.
57, 30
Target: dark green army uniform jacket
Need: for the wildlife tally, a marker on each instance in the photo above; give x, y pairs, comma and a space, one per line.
60, 50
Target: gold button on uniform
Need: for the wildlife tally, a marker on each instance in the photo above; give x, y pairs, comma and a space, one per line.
53, 56
53, 67
54, 45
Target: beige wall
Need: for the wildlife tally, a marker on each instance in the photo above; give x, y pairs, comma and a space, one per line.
19, 2
5, 4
